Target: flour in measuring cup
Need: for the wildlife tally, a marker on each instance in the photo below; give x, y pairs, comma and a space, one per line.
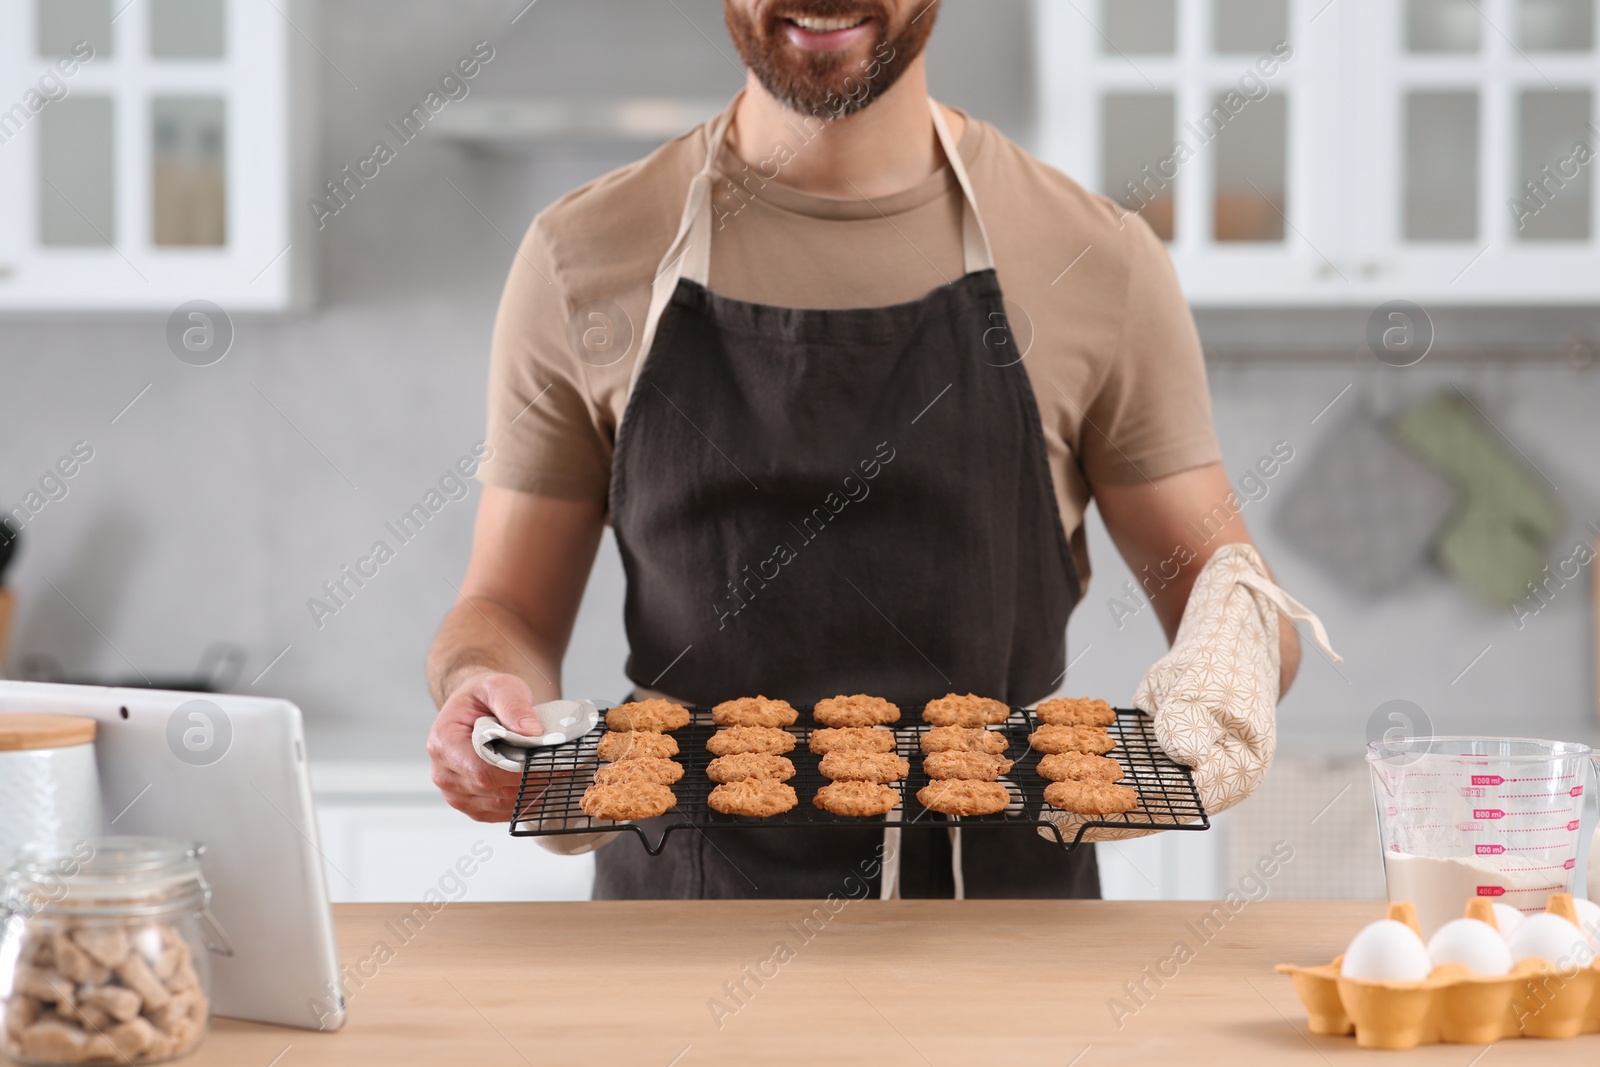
1594, 865
1440, 888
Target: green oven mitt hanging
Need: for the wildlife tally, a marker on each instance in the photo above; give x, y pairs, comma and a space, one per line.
1500, 536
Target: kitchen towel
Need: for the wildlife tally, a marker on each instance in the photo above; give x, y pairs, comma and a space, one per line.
1366, 509
563, 721
1498, 541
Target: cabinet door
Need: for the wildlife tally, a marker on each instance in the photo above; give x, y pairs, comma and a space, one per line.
1475, 149
16, 151
151, 157
1209, 118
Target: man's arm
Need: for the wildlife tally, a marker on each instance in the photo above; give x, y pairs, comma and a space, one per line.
1167, 529
499, 650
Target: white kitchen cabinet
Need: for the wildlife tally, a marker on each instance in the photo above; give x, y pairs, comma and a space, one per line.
1325, 152
151, 153
387, 835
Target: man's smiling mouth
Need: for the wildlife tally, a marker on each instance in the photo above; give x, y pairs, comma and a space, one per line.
821, 25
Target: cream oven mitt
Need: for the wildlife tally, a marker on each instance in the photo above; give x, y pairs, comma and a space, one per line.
1214, 694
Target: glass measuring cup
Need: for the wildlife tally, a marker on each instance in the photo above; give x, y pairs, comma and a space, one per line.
1501, 817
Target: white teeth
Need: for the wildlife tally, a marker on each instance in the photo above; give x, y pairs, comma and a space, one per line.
815, 25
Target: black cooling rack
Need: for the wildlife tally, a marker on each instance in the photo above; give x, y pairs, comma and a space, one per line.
554, 779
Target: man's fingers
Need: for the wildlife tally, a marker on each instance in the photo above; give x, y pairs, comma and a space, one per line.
467, 771
510, 700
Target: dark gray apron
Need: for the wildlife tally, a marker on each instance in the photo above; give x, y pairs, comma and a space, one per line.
813, 502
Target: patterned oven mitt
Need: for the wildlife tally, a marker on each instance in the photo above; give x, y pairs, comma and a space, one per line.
1214, 694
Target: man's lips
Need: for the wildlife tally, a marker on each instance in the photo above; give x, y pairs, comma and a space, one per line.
811, 34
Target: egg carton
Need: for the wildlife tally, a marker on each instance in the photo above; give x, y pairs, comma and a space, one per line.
1454, 1005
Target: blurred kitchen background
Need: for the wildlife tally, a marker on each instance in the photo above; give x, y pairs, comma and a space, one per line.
1382, 212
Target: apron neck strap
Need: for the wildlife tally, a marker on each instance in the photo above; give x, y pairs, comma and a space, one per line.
975, 249
689, 255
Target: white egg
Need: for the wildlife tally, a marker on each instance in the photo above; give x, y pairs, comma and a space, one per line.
1386, 951
1472, 943
1551, 938
1507, 918
1589, 920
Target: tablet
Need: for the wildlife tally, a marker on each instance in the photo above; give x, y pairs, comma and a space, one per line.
229, 772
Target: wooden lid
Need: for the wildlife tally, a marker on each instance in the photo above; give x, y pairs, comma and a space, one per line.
27, 730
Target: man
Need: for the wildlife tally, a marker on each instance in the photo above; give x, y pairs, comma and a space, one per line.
875, 361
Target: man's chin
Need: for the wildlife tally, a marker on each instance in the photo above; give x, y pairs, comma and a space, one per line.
828, 72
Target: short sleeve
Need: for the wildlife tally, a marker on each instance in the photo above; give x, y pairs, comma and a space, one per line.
1151, 415
543, 426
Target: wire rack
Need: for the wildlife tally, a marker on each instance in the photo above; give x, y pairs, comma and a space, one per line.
554, 779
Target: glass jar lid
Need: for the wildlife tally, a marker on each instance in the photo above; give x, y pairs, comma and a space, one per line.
107, 876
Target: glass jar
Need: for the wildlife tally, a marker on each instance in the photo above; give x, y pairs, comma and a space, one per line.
104, 955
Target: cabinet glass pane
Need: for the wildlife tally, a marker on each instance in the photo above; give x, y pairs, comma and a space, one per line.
1443, 25
186, 29
76, 188
1251, 149
188, 175
1441, 154
1553, 163
1250, 26
1556, 25
63, 23
1139, 27
1137, 167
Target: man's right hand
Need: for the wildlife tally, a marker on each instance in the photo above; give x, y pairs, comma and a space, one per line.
470, 785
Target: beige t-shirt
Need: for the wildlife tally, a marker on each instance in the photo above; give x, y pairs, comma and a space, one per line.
1110, 345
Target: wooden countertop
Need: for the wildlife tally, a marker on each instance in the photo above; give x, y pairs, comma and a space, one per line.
901, 982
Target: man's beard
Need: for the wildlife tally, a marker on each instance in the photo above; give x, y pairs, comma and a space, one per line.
825, 84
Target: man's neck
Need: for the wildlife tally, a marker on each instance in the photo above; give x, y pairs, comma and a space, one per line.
885, 148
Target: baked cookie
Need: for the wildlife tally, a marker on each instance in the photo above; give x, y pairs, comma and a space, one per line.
856, 798
760, 797
1090, 739
851, 739
642, 769
754, 711
1076, 711
964, 739
1078, 767
858, 710
1091, 798
971, 766
956, 797
632, 744
864, 767
629, 800
742, 765
732, 739
652, 716
969, 710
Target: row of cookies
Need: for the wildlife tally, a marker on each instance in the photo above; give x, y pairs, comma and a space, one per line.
858, 757
638, 748
963, 758
750, 765
1073, 740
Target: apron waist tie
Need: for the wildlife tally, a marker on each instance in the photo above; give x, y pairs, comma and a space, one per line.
891, 863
